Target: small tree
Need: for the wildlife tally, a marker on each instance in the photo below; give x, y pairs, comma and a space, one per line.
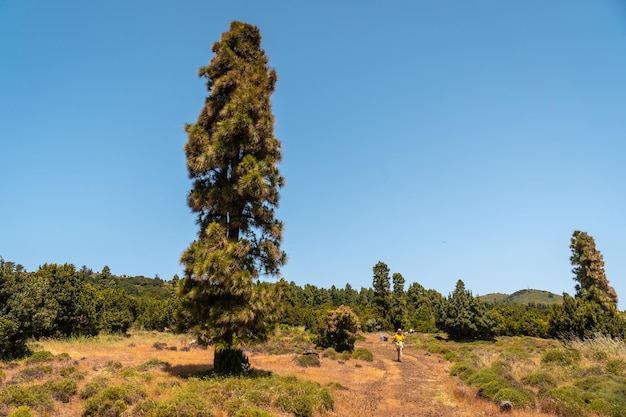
338, 329
588, 270
593, 309
399, 317
382, 293
464, 317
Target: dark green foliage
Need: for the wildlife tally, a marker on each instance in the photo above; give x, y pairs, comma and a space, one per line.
15, 318
338, 329
117, 310
589, 274
521, 319
584, 318
399, 314
382, 294
464, 317
594, 307
423, 308
156, 313
71, 301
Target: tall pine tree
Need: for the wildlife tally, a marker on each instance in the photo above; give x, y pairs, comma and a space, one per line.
232, 158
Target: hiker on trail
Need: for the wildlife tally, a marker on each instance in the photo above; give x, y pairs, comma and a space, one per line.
398, 340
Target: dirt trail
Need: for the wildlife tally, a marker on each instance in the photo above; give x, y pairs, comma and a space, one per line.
420, 385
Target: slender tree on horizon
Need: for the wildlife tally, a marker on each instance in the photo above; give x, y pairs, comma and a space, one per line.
232, 158
588, 270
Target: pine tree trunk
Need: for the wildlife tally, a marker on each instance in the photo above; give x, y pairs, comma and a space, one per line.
230, 362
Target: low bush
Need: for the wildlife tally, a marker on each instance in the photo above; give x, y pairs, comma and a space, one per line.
307, 360
62, 390
519, 397
330, 353
541, 380
362, 354
39, 356
561, 357
35, 397
112, 401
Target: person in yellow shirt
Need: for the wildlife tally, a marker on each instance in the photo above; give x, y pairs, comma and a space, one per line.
398, 341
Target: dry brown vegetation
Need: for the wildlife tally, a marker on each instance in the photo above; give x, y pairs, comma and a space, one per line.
420, 385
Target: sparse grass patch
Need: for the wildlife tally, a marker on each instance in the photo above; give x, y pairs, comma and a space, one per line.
153, 363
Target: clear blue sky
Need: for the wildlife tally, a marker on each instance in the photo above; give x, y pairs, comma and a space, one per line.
449, 139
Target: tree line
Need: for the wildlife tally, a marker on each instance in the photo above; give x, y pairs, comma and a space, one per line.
60, 301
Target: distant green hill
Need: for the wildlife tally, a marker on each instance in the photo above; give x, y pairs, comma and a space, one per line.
523, 297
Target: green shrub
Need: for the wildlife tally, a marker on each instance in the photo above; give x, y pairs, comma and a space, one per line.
561, 357
307, 361
93, 387
338, 329
112, 401
33, 396
501, 368
605, 394
462, 370
39, 356
129, 373
62, 390
520, 398
541, 380
71, 372
362, 354
330, 353
32, 373
565, 401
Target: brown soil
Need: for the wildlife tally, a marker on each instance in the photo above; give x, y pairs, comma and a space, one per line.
420, 385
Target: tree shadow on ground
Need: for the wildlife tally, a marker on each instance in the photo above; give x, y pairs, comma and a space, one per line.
204, 371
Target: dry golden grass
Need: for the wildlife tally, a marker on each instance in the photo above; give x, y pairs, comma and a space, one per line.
418, 386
